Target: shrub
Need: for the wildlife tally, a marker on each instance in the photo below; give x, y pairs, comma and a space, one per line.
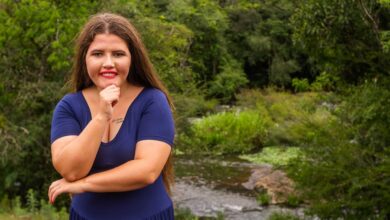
263, 198
34, 209
184, 214
292, 115
325, 82
345, 170
227, 133
226, 83
300, 85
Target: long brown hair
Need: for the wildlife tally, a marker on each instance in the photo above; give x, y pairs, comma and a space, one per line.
141, 71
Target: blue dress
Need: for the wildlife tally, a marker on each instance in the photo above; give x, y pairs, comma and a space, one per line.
148, 118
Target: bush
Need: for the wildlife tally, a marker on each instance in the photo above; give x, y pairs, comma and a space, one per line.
226, 83
300, 85
293, 115
325, 82
227, 133
190, 105
345, 170
34, 209
263, 199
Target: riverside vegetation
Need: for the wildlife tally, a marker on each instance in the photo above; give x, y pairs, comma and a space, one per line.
309, 78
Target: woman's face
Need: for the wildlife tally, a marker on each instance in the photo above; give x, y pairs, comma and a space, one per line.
108, 61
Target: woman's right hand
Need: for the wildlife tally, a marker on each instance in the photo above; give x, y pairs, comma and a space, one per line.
108, 97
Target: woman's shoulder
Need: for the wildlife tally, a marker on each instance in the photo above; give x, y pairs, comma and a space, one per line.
70, 100
71, 97
151, 93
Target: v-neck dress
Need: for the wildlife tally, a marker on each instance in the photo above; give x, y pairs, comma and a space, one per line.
148, 118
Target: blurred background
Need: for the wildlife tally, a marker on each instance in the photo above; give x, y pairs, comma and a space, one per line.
282, 106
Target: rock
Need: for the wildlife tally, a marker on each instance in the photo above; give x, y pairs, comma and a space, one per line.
257, 174
274, 182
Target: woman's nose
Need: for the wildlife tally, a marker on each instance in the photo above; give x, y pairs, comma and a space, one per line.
108, 63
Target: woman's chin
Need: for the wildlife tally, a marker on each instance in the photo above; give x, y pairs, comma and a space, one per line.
104, 85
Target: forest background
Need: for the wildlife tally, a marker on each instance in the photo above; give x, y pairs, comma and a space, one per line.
307, 73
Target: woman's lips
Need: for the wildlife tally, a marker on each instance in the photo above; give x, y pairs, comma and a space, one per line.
108, 75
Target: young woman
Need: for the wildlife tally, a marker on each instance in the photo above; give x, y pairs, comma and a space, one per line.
112, 138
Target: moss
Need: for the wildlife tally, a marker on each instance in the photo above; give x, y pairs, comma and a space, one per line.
277, 156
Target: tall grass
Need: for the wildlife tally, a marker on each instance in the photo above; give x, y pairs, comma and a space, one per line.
268, 118
13, 209
227, 133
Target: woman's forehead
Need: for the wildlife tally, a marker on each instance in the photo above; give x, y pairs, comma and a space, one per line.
107, 41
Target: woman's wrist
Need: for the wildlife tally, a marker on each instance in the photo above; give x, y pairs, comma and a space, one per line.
102, 118
84, 184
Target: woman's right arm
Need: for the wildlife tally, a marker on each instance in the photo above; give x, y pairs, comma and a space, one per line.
73, 155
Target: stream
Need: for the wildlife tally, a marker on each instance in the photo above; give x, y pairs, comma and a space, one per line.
212, 186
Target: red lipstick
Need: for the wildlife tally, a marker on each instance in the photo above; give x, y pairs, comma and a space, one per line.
108, 74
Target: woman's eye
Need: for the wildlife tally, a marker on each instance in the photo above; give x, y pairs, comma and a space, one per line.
97, 54
118, 54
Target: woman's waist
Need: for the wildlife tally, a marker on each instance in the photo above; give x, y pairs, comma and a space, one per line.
151, 195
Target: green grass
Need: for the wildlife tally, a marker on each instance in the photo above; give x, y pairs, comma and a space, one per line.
30, 216
283, 216
263, 199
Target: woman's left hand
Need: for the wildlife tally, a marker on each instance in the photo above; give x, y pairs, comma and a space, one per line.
62, 186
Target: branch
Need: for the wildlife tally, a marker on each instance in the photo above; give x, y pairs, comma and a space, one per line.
372, 20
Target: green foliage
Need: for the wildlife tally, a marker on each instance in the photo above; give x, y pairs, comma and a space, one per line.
277, 156
226, 133
294, 201
260, 36
17, 207
14, 209
281, 69
283, 216
208, 22
325, 82
32, 202
35, 49
171, 57
263, 198
300, 85
188, 105
227, 83
342, 36
344, 169
367, 111
292, 115
184, 214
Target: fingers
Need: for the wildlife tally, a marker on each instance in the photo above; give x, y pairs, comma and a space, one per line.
52, 187
108, 98
110, 94
55, 189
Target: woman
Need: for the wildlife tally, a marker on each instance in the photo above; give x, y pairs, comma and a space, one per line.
111, 138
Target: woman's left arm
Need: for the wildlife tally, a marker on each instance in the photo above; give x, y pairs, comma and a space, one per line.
150, 158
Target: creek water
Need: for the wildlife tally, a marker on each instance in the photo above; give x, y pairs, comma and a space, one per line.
212, 186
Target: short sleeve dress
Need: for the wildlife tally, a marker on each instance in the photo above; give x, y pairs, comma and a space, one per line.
148, 118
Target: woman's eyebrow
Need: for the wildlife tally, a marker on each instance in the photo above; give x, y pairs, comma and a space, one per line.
101, 50
96, 50
116, 51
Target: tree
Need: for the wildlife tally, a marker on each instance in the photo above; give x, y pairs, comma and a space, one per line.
342, 36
